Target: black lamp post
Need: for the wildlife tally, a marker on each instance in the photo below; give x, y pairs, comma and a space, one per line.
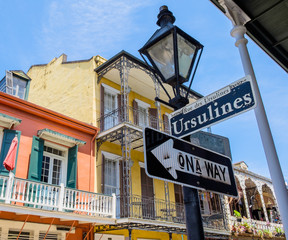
173, 54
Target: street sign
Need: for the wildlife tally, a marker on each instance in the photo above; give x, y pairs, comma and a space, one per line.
230, 101
212, 142
171, 159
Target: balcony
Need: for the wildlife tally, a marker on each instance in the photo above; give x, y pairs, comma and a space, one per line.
126, 121
255, 228
135, 117
23, 193
140, 208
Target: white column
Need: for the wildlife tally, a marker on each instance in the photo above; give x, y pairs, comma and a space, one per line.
259, 188
243, 186
271, 156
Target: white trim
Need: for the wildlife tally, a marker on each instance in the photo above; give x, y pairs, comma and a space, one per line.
46, 135
111, 156
109, 89
7, 122
105, 236
56, 214
141, 164
55, 145
64, 159
142, 104
115, 158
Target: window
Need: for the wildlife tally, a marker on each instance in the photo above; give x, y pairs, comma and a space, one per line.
49, 236
15, 83
14, 234
19, 87
110, 106
110, 173
53, 165
141, 113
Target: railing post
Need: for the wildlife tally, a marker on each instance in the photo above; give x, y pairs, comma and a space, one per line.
61, 197
9, 187
113, 205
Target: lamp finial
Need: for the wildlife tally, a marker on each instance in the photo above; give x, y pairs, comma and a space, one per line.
165, 16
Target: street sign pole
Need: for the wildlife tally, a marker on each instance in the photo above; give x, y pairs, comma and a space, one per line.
225, 103
193, 217
175, 160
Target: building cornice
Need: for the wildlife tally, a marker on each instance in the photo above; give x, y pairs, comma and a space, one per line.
28, 107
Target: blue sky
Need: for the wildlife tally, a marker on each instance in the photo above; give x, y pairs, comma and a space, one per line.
34, 32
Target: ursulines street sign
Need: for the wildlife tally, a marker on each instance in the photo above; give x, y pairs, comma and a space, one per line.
175, 160
230, 101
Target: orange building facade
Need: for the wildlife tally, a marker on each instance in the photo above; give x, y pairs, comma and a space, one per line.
51, 192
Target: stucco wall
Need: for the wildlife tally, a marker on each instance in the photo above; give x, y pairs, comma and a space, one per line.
65, 87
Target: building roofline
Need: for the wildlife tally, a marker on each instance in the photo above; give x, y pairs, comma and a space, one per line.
25, 106
137, 61
117, 56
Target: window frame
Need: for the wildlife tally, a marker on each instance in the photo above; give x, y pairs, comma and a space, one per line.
114, 117
116, 158
64, 159
146, 106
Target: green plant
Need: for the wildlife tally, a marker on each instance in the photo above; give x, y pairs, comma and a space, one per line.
237, 214
278, 231
267, 233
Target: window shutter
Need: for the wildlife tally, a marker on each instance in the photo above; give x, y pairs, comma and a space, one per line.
7, 140
153, 118
166, 123
135, 112
36, 159
102, 108
103, 174
120, 109
72, 167
121, 168
9, 82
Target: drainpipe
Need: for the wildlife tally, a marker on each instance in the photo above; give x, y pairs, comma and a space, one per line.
91, 158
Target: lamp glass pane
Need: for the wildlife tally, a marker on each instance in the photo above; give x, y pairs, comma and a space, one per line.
186, 52
162, 54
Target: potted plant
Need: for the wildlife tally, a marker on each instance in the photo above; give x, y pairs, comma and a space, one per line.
279, 232
238, 216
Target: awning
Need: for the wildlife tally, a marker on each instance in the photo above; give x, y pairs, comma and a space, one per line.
50, 135
7, 121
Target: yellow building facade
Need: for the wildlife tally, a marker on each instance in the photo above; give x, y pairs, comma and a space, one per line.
118, 96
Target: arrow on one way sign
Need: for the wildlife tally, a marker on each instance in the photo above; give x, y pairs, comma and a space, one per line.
171, 159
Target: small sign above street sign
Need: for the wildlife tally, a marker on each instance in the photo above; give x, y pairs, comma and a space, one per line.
178, 161
230, 101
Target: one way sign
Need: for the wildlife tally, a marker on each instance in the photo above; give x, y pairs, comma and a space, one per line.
174, 160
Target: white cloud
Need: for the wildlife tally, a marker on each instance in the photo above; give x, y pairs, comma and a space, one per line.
84, 27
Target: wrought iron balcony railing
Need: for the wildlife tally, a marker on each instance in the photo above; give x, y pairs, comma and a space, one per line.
156, 209
137, 117
44, 196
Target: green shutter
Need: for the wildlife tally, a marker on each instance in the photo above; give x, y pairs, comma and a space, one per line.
72, 167
7, 139
36, 158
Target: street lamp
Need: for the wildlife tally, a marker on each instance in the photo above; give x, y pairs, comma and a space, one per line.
174, 56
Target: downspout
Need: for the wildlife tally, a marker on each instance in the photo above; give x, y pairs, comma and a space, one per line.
91, 157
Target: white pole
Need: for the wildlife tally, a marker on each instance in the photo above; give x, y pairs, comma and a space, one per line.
267, 140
